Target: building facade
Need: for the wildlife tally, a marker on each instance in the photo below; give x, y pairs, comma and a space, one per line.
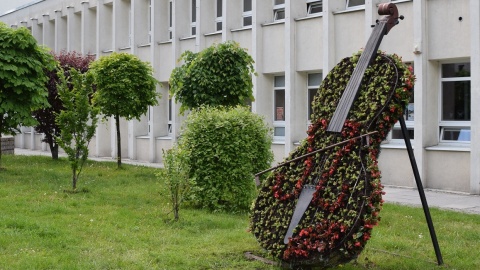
294, 44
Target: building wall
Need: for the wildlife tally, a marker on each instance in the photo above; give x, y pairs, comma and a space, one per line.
433, 33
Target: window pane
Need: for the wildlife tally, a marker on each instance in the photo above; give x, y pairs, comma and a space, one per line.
456, 70
169, 109
314, 79
279, 131
279, 81
279, 105
247, 21
170, 15
194, 10
247, 5
194, 31
352, 3
398, 135
456, 134
219, 26
316, 7
219, 8
456, 101
279, 2
279, 14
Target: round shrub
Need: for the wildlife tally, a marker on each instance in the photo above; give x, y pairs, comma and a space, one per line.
224, 148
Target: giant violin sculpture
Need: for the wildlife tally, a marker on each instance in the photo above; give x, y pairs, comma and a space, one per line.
320, 206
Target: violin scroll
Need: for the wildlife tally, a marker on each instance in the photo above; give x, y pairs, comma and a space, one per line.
391, 15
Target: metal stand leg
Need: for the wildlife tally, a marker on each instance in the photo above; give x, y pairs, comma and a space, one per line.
421, 191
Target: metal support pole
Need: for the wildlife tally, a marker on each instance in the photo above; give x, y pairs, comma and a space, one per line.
421, 192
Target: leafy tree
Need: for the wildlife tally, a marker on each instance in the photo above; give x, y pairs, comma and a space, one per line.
22, 78
224, 147
78, 120
46, 116
125, 88
219, 75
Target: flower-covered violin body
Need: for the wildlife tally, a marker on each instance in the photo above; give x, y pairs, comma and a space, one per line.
345, 180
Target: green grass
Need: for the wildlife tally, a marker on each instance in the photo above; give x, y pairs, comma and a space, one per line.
121, 220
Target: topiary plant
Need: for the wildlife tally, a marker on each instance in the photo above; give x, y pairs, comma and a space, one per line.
224, 147
220, 75
348, 193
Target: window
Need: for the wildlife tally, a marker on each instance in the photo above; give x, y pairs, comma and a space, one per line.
247, 12
355, 3
314, 7
279, 10
314, 81
279, 108
193, 24
455, 105
170, 19
218, 19
409, 116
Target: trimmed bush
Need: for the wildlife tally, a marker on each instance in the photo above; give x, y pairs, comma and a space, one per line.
224, 148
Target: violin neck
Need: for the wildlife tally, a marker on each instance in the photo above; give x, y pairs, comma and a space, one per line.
353, 85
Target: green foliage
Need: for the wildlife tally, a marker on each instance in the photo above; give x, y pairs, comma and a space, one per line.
175, 177
220, 75
77, 121
22, 78
224, 148
46, 115
125, 85
125, 88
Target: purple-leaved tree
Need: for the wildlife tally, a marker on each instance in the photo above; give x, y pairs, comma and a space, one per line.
46, 116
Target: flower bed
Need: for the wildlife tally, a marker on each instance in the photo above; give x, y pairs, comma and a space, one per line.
346, 204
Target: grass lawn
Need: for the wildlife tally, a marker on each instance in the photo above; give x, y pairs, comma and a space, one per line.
121, 220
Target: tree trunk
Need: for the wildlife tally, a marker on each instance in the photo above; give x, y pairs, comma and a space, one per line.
54, 150
53, 147
119, 149
74, 179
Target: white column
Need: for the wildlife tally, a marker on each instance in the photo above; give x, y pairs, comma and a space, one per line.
46, 31
371, 15
60, 32
328, 21
421, 94
294, 90
36, 30
475, 97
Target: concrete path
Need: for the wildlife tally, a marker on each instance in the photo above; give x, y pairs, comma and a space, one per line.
403, 195
435, 198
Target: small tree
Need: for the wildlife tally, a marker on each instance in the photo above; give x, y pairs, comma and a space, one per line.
125, 88
220, 75
22, 78
46, 116
77, 122
176, 178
